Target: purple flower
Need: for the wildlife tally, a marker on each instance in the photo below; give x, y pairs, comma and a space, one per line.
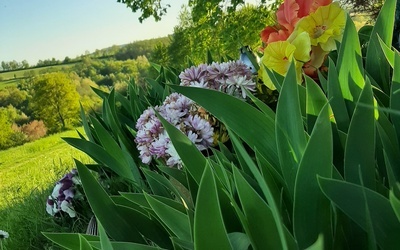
193, 74
64, 191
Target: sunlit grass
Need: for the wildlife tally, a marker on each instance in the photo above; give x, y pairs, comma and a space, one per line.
27, 177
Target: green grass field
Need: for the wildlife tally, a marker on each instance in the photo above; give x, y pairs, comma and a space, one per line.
10, 78
27, 176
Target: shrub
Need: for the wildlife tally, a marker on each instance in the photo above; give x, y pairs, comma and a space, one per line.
34, 130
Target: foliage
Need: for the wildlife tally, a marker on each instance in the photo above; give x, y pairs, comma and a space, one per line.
34, 130
193, 39
211, 8
55, 100
320, 171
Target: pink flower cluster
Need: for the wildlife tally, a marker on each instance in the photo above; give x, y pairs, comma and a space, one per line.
152, 139
229, 77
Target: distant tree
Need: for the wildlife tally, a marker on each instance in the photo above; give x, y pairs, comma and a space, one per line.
5, 129
4, 65
67, 59
25, 64
55, 101
14, 65
12, 96
364, 6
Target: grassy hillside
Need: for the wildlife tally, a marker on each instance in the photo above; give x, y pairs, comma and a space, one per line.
10, 77
27, 176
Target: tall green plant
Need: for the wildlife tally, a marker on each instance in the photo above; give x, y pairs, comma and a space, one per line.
322, 172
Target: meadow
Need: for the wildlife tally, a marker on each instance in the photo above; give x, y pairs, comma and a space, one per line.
9, 78
27, 176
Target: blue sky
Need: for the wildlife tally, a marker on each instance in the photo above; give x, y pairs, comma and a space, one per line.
43, 29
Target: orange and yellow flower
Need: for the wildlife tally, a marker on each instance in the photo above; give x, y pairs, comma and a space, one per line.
280, 54
324, 26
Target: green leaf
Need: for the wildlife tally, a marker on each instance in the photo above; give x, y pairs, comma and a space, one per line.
395, 95
352, 198
192, 158
100, 155
360, 145
126, 246
105, 209
175, 220
85, 124
239, 241
266, 190
69, 240
157, 183
233, 111
318, 244
185, 245
336, 99
349, 63
177, 174
290, 135
209, 229
395, 202
311, 215
84, 244
376, 64
316, 100
111, 146
387, 51
262, 231
104, 240
261, 105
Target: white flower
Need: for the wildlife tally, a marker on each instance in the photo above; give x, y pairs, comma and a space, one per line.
3, 234
67, 207
174, 158
56, 190
240, 83
199, 84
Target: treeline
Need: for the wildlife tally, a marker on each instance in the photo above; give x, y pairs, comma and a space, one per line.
117, 52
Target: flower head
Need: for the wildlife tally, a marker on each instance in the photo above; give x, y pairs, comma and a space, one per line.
279, 55
65, 190
3, 235
324, 26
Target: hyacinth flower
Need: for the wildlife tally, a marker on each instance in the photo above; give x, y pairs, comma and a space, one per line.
196, 123
279, 55
154, 143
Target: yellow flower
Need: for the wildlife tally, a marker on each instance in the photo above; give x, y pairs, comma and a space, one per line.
279, 55
324, 26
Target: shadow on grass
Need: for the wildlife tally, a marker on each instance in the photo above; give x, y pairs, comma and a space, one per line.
25, 221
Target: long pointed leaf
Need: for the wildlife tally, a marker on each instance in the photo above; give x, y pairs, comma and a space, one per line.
311, 208
290, 135
209, 229
385, 223
349, 63
238, 115
376, 64
360, 145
